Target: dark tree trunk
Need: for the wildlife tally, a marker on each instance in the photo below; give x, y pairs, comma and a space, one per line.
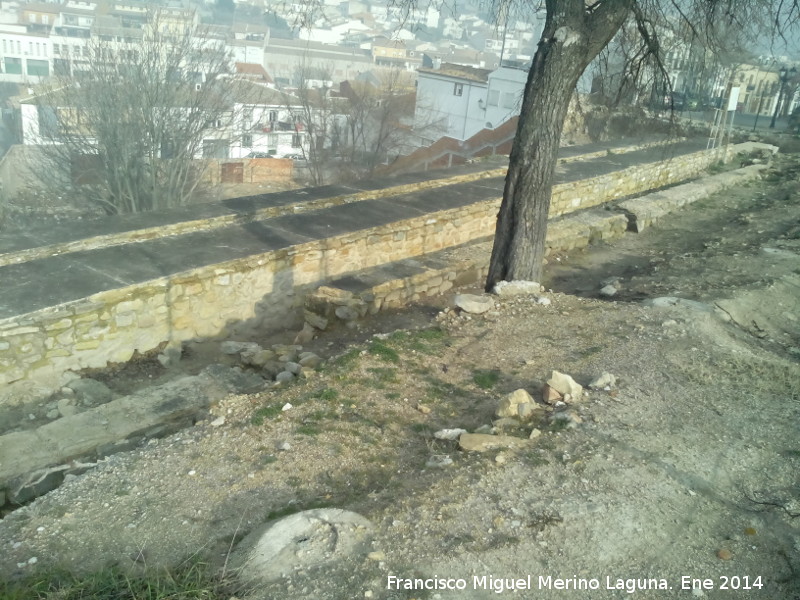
573, 35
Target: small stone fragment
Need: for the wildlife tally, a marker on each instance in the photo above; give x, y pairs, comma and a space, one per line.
377, 555
306, 334
608, 291
508, 406
550, 395
724, 554
473, 304
564, 384
516, 288
606, 380
310, 360
535, 433
315, 320
439, 461
527, 410
218, 422
66, 407
449, 434
505, 423
480, 442
346, 313
293, 367
425, 410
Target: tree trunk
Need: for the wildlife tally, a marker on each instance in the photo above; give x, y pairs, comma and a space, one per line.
572, 37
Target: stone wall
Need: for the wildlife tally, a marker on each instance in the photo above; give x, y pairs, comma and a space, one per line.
266, 291
254, 170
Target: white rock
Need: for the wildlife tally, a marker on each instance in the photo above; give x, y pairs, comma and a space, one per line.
233, 347
439, 461
474, 304
543, 300
564, 384
218, 422
608, 291
449, 434
603, 381
307, 539
287, 406
516, 288
508, 406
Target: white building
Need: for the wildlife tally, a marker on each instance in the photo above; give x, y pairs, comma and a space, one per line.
26, 57
462, 101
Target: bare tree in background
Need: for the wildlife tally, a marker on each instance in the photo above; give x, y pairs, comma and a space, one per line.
129, 124
378, 119
320, 114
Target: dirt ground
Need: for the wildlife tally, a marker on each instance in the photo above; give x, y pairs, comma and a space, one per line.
686, 467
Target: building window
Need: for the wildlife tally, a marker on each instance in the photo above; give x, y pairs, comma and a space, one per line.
45, 20
297, 141
458, 89
13, 65
509, 100
494, 98
39, 68
247, 141
32, 17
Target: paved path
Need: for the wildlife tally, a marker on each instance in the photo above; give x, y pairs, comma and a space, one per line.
51, 280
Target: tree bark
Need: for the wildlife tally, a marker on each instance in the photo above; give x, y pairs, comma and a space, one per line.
573, 35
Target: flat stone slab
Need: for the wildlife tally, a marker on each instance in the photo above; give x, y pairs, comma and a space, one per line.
304, 540
26, 455
484, 442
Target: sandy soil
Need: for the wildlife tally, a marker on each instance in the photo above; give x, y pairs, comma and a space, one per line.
687, 467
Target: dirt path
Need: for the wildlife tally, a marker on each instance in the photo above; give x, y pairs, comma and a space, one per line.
693, 455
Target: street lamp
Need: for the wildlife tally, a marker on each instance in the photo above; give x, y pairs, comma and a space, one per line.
784, 76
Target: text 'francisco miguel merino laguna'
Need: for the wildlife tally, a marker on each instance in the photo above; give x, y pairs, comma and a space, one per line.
542, 582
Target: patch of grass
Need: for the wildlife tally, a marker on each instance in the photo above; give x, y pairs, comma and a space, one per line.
384, 352
270, 411
308, 429
440, 390
425, 341
328, 395
384, 374
347, 360
485, 380
189, 581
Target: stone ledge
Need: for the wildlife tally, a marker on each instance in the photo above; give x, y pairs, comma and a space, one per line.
648, 210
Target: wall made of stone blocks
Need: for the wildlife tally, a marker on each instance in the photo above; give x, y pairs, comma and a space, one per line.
263, 292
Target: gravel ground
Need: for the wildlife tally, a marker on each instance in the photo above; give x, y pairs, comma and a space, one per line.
686, 467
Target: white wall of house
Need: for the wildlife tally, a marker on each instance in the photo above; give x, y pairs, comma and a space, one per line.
464, 111
263, 129
504, 95
24, 57
452, 103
